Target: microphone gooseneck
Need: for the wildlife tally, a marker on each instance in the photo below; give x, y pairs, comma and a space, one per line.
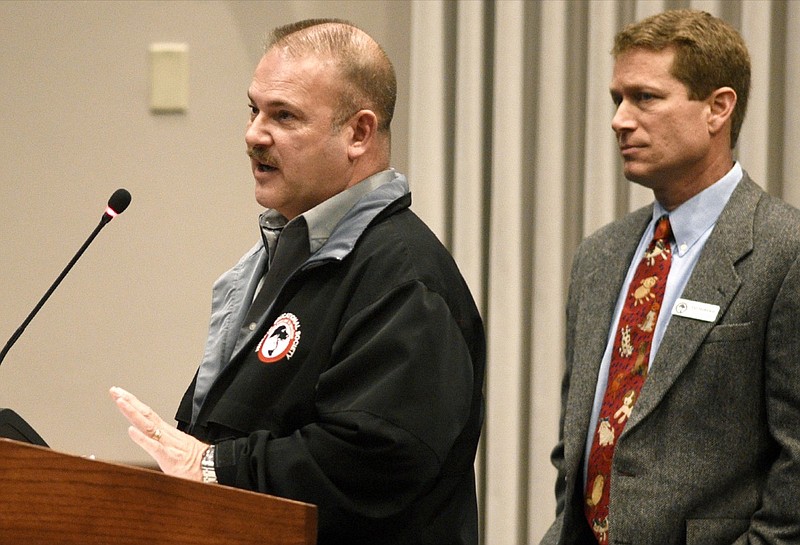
117, 204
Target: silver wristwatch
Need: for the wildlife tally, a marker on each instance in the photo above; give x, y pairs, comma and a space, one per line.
207, 466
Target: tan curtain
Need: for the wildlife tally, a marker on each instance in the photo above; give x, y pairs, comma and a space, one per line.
512, 161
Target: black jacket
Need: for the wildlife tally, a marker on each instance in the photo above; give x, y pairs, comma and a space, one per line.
374, 412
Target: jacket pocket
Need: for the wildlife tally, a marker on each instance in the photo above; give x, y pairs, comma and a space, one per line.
730, 332
717, 531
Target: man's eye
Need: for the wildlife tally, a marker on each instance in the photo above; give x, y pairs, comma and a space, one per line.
284, 115
253, 110
644, 97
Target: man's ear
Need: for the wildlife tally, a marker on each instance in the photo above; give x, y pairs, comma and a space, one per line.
721, 104
364, 126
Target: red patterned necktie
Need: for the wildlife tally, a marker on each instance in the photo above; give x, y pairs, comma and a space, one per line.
627, 371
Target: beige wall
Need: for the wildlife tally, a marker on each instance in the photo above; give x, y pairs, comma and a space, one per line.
75, 127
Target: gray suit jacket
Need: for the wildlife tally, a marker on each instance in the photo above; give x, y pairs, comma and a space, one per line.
711, 453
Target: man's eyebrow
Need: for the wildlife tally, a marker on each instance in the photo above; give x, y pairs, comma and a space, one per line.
276, 103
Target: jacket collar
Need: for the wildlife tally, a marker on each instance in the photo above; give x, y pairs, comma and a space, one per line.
390, 195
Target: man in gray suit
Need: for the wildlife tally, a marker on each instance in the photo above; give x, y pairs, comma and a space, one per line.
706, 448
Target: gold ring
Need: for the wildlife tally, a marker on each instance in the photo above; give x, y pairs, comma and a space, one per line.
157, 434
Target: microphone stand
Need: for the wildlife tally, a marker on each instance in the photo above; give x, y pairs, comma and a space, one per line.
103, 221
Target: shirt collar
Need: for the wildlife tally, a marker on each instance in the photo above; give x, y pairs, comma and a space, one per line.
699, 214
323, 218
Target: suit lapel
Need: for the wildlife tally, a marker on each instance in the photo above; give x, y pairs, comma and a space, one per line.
595, 303
714, 281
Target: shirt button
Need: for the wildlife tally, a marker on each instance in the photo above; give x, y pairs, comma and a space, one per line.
684, 247
252, 326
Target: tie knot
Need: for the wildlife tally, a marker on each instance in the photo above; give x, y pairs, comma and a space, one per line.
663, 229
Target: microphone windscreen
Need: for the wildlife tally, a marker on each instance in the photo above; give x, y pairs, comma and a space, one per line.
119, 201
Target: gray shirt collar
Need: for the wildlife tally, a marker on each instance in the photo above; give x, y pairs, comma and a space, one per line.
323, 218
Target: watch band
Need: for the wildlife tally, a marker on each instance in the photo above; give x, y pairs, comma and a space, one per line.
207, 465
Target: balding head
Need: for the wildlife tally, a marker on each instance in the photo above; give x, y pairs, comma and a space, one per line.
368, 78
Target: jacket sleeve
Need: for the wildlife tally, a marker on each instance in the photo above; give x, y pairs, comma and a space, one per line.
390, 406
778, 519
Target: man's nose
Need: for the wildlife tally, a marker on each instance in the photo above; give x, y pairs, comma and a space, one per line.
257, 133
623, 118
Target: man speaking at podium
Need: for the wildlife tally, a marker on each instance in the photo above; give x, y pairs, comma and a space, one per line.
345, 357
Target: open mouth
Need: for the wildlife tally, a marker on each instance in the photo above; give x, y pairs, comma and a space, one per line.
263, 161
262, 167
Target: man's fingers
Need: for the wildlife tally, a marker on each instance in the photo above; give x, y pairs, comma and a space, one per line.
120, 395
132, 407
135, 417
137, 413
149, 445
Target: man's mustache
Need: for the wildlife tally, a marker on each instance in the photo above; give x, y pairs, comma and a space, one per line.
263, 156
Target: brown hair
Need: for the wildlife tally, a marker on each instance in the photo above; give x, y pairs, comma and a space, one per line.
709, 54
368, 78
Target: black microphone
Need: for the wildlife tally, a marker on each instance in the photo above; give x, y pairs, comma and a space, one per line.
117, 204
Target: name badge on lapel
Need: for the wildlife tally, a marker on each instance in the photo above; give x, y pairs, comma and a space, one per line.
695, 310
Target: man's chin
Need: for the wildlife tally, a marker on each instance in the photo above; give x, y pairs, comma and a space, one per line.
264, 197
638, 176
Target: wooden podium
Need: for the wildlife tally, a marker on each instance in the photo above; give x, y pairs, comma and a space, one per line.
50, 498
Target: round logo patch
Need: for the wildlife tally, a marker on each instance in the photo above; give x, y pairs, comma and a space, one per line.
281, 339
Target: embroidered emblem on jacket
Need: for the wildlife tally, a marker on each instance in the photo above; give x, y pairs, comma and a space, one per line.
281, 339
